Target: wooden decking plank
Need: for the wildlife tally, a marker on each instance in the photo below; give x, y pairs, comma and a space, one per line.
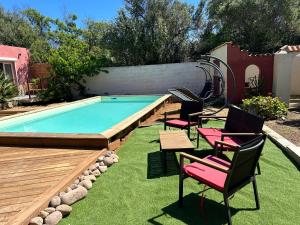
32, 181
13, 208
38, 156
33, 172
31, 176
25, 187
4, 217
42, 201
45, 160
22, 199
37, 175
23, 193
34, 167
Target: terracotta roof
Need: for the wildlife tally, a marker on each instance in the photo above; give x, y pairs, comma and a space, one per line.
291, 48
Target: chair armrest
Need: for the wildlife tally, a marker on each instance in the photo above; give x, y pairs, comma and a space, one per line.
210, 117
201, 161
239, 134
195, 114
225, 143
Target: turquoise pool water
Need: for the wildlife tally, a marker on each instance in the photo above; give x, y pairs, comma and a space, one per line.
92, 117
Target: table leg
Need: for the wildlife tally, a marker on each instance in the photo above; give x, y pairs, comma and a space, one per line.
165, 161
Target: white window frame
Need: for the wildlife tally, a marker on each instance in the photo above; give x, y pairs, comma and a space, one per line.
12, 66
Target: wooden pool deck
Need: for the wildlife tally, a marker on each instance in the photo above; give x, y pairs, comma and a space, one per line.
30, 177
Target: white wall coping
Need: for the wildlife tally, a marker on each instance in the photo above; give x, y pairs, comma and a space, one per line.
290, 148
7, 59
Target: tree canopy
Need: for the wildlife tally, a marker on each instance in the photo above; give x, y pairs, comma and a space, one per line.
161, 31
148, 32
257, 25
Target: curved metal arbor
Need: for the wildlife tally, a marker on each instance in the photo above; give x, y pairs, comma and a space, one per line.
207, 64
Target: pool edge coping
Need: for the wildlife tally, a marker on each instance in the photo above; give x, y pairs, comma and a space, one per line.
49, 108
109, 133
80, 140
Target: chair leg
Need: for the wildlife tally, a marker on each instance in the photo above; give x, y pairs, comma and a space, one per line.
226, 201
198, 136
255, 193
258, 168
181, 190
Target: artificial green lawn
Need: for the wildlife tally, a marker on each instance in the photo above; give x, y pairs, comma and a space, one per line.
135, 191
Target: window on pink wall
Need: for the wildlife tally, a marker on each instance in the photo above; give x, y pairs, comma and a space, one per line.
8, 70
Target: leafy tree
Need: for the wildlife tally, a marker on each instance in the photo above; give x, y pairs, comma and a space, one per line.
41, 24
150, 32
257, 25
93, 35
14, 29
71, 60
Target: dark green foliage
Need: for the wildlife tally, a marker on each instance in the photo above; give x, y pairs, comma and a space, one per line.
71, 61
150, 32
147, 32
257, 25
14, 29
7, 89
267, 107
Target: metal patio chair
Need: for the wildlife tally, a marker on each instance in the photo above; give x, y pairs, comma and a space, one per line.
240, 127
187, 118
225, 177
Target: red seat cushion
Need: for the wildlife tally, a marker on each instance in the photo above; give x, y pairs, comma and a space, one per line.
179, 123
207, 175
214, 134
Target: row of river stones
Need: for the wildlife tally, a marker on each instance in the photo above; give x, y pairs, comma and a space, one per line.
60, 205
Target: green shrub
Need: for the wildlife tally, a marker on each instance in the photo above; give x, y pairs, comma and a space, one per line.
7, 89
267, 107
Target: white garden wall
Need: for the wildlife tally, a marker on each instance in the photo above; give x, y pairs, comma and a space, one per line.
221, 53
149, 79
295, 73
286, 78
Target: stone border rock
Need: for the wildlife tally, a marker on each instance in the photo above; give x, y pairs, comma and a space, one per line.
292, 150
60, 205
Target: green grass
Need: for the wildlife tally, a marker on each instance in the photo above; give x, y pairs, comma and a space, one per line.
135, 191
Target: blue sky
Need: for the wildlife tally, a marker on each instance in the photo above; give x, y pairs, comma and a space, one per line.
95, 9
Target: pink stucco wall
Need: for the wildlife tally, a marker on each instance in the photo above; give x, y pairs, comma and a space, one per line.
22, 63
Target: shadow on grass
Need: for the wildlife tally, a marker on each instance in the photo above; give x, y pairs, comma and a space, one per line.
213, 213
155, 166
191, 213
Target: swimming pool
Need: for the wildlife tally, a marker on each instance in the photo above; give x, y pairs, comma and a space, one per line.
95, 118
91, 117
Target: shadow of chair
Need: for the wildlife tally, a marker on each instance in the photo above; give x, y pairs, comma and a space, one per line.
155, 168
212, 213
